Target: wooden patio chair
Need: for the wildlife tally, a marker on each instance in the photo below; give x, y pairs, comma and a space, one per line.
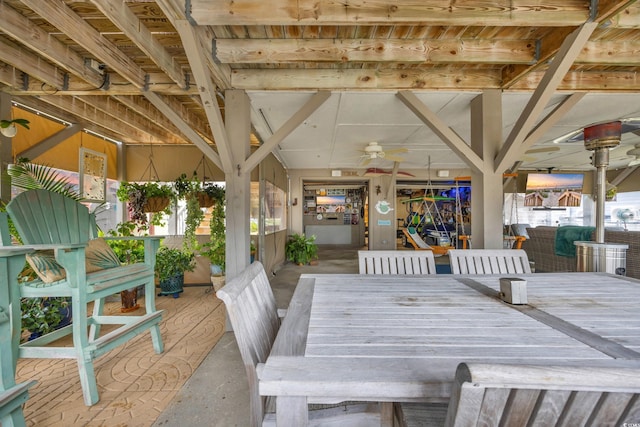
252, 310
75, 267
489, 261
396, 262
525, 395
12, 395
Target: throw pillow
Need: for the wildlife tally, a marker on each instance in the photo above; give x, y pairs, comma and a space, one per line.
99, 256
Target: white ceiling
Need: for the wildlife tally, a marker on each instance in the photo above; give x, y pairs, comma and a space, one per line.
334, 136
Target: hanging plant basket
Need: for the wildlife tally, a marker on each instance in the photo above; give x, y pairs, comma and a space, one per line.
205, 200
156, 204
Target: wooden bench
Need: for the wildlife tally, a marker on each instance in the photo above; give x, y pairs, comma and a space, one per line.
520, 395
12, 395
396, 262
489, 261
52, 221
252, 310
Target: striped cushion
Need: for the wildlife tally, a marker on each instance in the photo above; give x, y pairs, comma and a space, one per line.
99, 256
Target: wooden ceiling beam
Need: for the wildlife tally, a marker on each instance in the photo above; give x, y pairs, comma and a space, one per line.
628, 18
66, 20
143, 107
332, 79
558, 68
592, 81
427, 12
549, 47
458, 145
195, 138
32, 65
122, 130
198, 59
115, 86
36, 103
118, 111
613, 52
260, 51
135, 30
174, 10
26, 32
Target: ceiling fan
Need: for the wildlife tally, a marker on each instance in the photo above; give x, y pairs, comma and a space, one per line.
373, 150
635, 152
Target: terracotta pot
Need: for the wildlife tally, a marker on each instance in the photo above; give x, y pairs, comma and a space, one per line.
129, 299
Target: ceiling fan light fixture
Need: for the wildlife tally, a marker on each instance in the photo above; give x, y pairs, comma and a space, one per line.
634, 162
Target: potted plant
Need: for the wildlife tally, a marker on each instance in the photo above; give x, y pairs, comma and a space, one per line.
215, 248
170, 267
147, 197
187, 190
128, 252
43, 315
301, 249
8, 127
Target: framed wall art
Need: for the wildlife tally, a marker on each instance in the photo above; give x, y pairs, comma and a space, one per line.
93, 175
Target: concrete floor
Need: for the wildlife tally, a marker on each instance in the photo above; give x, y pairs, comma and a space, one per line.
217, 395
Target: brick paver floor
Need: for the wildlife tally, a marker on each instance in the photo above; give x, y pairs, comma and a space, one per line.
134, 383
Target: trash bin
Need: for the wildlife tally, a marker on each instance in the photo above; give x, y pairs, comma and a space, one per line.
602, 257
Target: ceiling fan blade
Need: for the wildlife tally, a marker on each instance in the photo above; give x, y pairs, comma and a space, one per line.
365, 161
394, 158
542, 150
396, 151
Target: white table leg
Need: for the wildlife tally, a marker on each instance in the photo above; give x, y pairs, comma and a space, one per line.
292, 411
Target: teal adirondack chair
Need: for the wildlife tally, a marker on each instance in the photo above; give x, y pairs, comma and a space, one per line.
12, 395
55, 222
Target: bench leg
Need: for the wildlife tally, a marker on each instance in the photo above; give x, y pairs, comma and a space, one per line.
88, 381
94, 329
150, 306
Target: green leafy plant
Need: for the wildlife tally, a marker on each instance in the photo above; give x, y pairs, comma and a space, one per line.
42, 315
301, 249
170, 262
128, 251
215, 248
8, 127
186, 189
139, 195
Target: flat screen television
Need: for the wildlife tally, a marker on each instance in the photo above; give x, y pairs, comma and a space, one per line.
551, 190
330, 204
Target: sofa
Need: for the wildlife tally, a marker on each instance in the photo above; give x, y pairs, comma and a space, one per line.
540, 248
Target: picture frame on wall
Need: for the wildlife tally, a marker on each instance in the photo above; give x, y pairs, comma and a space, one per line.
93, 175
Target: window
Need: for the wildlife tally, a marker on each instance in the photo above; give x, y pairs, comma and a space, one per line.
275, 213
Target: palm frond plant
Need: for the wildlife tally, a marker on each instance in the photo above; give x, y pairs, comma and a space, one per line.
32, 176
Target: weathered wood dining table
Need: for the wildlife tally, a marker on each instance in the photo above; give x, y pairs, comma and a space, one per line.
400, 338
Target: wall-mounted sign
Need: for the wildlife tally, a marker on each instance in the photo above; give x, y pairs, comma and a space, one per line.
384, 222
383, 207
